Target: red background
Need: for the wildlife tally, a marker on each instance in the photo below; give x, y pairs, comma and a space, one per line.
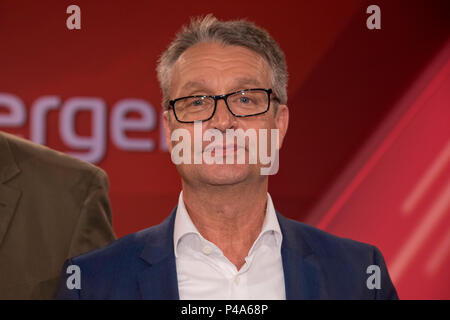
369, 112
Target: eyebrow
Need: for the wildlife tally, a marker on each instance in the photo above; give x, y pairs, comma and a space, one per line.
242, 82
239, 83
194, 85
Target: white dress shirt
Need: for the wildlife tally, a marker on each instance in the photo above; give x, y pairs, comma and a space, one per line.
205, 273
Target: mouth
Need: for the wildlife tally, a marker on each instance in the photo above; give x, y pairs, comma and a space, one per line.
226, 149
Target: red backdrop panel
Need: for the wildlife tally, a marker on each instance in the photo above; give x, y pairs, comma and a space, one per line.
349, 88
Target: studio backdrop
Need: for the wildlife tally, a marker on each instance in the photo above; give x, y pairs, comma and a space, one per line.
367, 153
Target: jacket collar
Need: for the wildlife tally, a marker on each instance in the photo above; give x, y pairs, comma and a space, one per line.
303, 276
159, 280
8, 165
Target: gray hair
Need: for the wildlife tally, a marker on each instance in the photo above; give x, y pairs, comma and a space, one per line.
238, 33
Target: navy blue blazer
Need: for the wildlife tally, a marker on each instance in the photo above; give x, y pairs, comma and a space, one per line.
316, 264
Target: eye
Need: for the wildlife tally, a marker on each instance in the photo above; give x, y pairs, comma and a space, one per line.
244, 100
197, 102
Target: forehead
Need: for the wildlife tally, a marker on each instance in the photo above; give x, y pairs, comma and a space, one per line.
214, 66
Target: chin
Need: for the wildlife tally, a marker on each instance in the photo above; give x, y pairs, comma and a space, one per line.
224, 174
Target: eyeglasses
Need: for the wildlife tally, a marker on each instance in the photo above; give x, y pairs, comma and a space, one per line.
243, 103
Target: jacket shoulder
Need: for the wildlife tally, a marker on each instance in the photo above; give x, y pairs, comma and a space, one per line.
125, 252
111, 272
26, 152
127, 247
336, 255
343, 262
50, 169
319, 241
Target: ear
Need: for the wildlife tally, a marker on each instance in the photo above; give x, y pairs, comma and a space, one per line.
282, 122
167, 131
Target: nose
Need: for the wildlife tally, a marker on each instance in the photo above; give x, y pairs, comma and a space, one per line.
222, 119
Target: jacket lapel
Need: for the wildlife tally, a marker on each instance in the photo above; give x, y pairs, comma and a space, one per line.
159, 280
8, 196
302, 272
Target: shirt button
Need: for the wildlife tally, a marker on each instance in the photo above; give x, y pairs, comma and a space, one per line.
207, 250
237, 280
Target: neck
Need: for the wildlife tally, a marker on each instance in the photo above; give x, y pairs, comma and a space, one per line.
229, 216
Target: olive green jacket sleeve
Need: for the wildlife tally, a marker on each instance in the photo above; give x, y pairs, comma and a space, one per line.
93, 226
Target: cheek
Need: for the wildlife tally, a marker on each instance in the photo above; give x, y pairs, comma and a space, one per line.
263, 121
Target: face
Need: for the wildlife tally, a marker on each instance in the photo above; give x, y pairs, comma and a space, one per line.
213, 69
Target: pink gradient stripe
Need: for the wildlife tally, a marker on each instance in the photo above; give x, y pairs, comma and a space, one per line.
420, 234
427, 180
439, 255
385, 145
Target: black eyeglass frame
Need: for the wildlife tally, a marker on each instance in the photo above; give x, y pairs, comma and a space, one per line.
223, 97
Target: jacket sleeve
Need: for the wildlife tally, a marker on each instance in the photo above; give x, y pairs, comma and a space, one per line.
94, 226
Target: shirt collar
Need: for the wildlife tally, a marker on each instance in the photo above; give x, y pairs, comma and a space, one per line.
184, 225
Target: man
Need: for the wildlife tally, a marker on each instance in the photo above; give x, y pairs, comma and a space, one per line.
225, 240
52, 207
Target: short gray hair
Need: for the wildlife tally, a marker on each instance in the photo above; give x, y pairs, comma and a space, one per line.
238, 33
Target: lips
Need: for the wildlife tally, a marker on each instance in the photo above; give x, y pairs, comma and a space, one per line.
226, 149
